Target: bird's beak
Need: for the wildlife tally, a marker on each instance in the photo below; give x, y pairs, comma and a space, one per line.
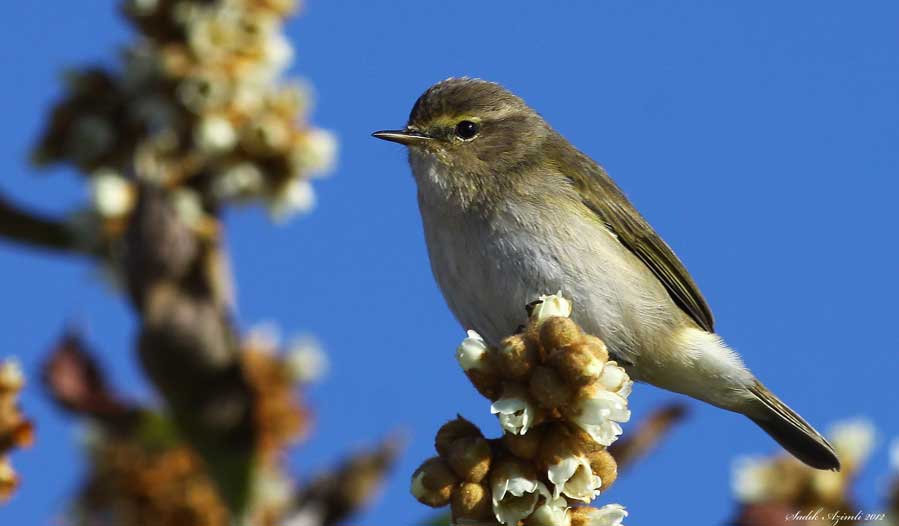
407, 136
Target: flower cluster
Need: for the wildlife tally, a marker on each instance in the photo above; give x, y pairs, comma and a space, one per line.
197, 109
560, 401
141, 472
771, 487
15, 430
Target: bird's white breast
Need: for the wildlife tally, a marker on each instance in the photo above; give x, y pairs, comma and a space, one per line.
489, 266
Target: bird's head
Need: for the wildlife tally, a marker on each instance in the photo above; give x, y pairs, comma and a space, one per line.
471, 139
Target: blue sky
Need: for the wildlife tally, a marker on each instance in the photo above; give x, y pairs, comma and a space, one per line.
759, 138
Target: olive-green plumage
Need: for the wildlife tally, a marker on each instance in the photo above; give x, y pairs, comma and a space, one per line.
512, 210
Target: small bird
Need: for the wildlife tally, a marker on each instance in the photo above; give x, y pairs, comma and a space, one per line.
511, 210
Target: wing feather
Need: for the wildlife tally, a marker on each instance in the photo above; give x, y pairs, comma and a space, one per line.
610, 205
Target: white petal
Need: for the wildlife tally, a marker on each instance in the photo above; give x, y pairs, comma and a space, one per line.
613, 377
111, 193
751, 479
11, 376
853, 440
552, 305
574, 478
296, 196
515, 411
559, 474
514, 495
316, 153
600, 414
608, 515
215, 134
553, 512
471, 351
305, 360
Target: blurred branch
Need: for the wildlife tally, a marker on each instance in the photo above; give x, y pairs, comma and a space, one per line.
334, 496
655, 427
76, 382
187, 343
26, 228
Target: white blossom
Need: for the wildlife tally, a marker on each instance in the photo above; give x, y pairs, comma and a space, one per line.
471, 353
238, 181
599, 415
215, 134
316, 152
614, 378
306, 362
514, 410
11, 376
608, 515
552, 305
295, 197
853, 440
751, 479
551, 512
573, 477
111, 194
188, 207
515, 493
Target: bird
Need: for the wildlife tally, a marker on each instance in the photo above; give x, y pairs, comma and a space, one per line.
511, 210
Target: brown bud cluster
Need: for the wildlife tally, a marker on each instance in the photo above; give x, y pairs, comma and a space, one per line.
559, 400
458, 474
552, 357
15, 430
198, 107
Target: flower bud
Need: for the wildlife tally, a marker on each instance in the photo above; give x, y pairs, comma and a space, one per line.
471, 502
550, 512
515, 358
215, 134
470, 458
452, 431
11, 377
608, 515
597, 347
576, 363
515, 490
564, 457
112, 195
615, 379
549, 306
557, 332
515, 412
524, 446
433, 483
598, 412
603, 464
472, 353
548, 388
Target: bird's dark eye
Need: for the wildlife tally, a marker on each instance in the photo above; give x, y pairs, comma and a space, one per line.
467, 130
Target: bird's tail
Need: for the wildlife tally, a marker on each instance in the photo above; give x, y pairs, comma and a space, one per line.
791, 431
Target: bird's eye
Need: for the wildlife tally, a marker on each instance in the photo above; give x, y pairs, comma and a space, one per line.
467, 130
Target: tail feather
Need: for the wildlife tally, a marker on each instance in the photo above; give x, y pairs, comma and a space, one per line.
791, 431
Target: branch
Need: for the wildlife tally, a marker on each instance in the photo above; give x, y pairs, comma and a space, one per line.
649, 433
187, 343
20, 226
334, 496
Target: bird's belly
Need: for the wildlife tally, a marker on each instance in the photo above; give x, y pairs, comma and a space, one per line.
489, 274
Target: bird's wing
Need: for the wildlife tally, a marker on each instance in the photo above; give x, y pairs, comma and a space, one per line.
610, 205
